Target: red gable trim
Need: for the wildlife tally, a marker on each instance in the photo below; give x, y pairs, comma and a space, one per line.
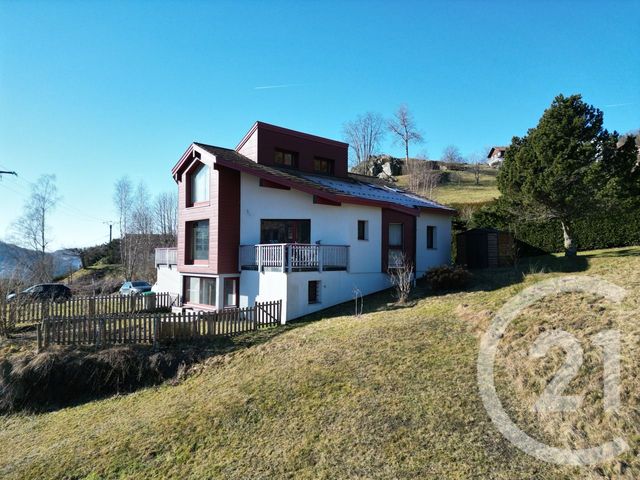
186, 157
270, 184
324, 201
314, 191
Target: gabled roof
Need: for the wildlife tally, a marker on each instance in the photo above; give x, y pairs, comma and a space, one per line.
493, 149
330, 188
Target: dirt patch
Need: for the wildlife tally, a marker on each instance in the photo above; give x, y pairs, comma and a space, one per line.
62, 377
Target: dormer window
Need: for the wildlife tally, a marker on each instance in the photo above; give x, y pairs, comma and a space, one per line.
286, 158
199, 185
323, 165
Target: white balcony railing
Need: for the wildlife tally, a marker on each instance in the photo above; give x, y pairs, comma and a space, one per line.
166, 256
294, 257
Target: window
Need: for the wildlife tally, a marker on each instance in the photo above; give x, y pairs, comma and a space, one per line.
199, 185
285, 231
200, 290
431, 237
230, 292
323, 165
199, 236
314, 291
363, 230
286, 159
395, 235
396, 238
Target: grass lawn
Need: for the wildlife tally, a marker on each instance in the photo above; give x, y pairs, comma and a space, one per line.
391, 394
463, 188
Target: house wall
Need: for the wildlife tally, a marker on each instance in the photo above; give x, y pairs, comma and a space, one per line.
441, 255
331, 225
223, 212
260, 146
409, 234
169, 280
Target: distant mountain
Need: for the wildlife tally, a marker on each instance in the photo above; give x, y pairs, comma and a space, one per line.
15, 260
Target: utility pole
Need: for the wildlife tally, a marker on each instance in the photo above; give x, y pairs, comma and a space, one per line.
110, 223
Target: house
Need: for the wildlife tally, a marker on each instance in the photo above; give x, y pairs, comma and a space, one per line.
496, 156
280, 218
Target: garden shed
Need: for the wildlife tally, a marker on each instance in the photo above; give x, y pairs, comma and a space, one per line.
485, 247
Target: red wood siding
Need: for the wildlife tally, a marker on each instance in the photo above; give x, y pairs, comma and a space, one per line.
223, 213
408, 234
228, 220
260, 146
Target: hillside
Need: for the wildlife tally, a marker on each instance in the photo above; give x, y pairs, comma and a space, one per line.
15, 260
391, 394
462, 188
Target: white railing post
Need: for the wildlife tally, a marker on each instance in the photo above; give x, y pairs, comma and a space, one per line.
320, 257
289, 258
259, 255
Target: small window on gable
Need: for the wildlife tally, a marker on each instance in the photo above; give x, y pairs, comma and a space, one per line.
431, 237
199, 185
314, 291
323, 165
363, 230
286, 159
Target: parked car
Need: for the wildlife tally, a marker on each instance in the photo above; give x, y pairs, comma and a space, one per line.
134, 288
53, 292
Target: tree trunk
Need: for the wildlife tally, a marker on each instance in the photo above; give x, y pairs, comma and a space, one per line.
570, 246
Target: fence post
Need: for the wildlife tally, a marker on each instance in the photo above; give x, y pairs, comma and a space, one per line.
39, 337
156, 331
152, 302
12, 316
92, 306
255, 316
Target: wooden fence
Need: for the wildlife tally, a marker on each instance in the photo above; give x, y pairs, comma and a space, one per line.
152, 328
30, 312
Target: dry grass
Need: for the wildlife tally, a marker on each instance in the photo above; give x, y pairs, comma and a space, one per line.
391, 394
463, 188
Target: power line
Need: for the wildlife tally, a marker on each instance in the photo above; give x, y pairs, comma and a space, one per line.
70, 208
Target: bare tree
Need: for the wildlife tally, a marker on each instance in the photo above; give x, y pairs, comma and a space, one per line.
423, 177
476, 160
165, 210
32, 231
402, 278
403, 126
123, 201
364, 135
451, 154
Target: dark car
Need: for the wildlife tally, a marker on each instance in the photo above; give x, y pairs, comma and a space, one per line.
134, 288
53, 292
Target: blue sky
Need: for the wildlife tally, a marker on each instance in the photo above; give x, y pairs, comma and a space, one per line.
92, 91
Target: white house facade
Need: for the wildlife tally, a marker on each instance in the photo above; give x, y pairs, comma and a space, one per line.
280, 218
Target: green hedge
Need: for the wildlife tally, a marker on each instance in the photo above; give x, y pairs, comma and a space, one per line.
606, 230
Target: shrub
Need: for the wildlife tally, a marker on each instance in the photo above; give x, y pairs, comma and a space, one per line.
618, 228
452, 277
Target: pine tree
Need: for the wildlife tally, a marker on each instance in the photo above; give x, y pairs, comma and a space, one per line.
568, 167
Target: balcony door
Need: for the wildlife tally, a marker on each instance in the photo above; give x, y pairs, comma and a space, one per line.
285, 231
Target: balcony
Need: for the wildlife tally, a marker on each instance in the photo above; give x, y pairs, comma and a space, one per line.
166, 256
294, 257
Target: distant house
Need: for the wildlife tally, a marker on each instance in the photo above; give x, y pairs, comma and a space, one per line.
280, 218
496, 156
